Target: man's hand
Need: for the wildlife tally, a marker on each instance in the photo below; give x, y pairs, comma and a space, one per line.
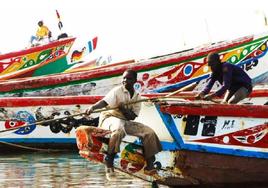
122, 107
200, 96
89, 110
209, 97
96, 106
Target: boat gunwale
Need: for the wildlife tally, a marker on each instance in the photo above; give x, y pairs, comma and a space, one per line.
94, 74
36, 48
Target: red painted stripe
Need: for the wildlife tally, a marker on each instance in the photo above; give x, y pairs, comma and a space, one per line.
36, 49
259, 93
249, 111
256, 111
38, 82
191, 95
46, 101
95, 40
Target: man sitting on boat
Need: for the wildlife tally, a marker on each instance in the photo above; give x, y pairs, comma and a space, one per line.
119, 121
41, 33
234, 80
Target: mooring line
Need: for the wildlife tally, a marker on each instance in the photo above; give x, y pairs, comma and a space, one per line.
32, 148
153, 100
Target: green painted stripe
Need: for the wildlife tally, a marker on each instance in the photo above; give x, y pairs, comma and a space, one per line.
116, 75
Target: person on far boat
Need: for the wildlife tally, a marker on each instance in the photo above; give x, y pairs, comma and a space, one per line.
234, 80
41, 33
120, 122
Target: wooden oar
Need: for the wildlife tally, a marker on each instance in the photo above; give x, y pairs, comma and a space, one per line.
185, 88
61, 118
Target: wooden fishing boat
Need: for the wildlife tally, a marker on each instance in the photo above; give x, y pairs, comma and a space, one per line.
203, 143
195, 135
27, 62
158, 74
46, 58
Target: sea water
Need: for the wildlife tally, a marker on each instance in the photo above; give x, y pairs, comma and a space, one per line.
58, 170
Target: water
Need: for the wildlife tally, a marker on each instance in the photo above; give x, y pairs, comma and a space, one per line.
58, 170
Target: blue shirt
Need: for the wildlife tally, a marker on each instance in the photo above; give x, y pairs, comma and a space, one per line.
231, 77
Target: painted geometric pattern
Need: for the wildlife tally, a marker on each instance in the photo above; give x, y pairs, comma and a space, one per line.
246, 56
31, 59
252, 137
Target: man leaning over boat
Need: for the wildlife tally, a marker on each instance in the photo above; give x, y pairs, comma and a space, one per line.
234, 80
120, 122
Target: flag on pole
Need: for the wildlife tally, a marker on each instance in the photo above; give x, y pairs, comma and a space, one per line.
60, 25
92, 44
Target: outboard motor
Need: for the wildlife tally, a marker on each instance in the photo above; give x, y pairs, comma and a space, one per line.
62, 36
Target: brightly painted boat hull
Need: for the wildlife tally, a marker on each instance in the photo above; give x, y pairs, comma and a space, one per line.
26, 63
191, 149
177, 166
36, 109
15, 112
227, 141
159, 74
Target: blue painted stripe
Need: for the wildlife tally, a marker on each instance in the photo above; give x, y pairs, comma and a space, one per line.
171, 127
251, 59
179, 85
166, 146
90, 46
169, 146
229, 151
39, 140
179, 143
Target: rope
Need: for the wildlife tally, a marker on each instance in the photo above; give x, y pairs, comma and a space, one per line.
153, 100
32, 148
74, 115
61, 118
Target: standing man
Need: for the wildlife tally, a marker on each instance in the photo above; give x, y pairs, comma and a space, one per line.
120, 121
234, 80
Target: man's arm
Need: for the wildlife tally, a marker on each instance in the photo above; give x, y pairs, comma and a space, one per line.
209, 85
207, 88
100, 104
